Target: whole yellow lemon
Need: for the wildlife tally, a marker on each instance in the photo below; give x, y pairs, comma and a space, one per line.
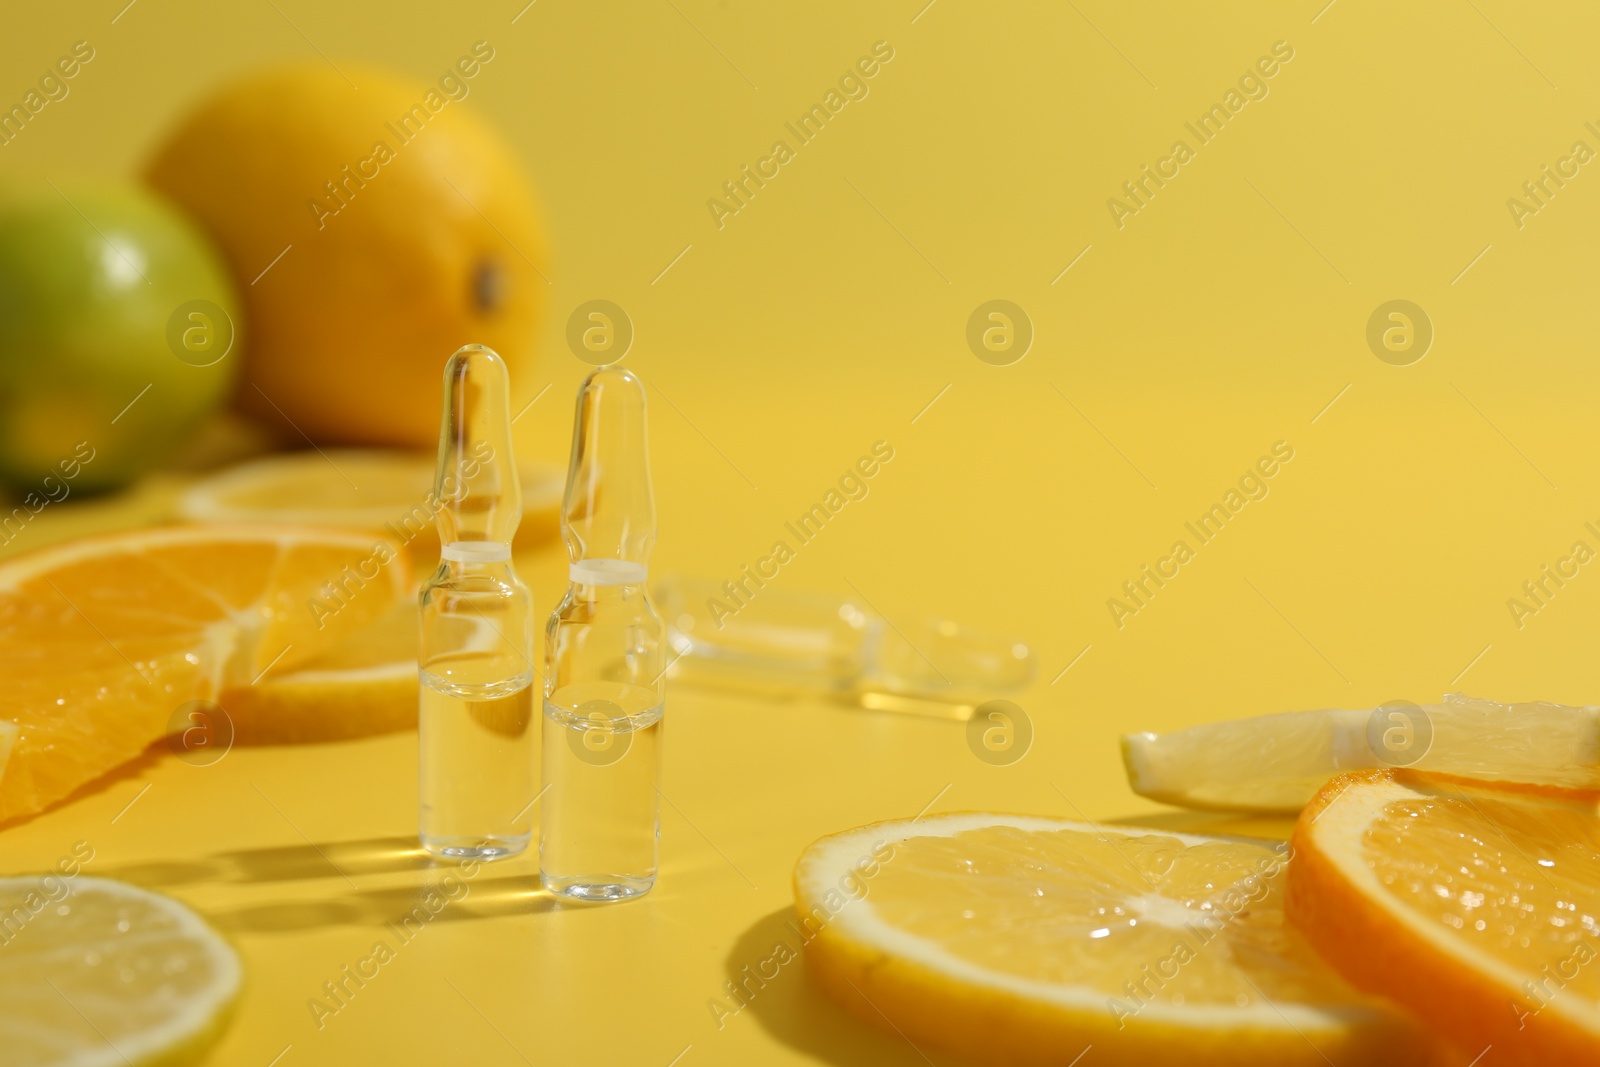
372, 231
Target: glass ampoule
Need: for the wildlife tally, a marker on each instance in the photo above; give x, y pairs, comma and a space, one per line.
478, 744
744, 634
605, 648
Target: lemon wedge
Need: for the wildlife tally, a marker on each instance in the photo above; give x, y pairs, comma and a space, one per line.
98, 973
1019, 940
1276, 763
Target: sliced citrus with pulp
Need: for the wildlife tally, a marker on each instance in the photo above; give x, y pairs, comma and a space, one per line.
102, 640
97, 973
360, 489
1474, 905
364, 685
1278, 762
1023, 940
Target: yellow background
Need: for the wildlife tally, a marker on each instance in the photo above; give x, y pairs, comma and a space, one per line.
825, 316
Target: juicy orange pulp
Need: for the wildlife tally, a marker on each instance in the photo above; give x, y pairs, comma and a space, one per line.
1474, 905
103, 640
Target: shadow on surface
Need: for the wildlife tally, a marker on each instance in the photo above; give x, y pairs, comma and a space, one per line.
379, 855
792, 1010
491, 893
407, 906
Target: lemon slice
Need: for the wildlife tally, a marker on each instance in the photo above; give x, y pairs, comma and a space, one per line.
1021, 940
1475, 906
1276, 763
365, 685
363, 489
95, 972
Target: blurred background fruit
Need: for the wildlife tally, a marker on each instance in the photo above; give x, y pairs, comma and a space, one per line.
385, 492
372, 232
118, 328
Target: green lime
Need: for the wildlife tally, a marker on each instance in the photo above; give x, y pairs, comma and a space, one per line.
118, 333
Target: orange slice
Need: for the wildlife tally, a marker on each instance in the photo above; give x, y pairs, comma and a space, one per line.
1476, 906
1021, 940
104, 640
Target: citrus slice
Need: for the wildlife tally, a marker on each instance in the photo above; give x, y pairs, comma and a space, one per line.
8, 738
104, 640
1276, 763
1021, 940
97, 973
364, 685
359, 489
1474, 905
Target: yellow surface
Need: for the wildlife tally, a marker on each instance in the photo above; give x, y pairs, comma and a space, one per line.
1170, 357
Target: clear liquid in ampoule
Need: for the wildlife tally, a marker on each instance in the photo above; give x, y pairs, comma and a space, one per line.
478, 741
478, 768
600, 827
